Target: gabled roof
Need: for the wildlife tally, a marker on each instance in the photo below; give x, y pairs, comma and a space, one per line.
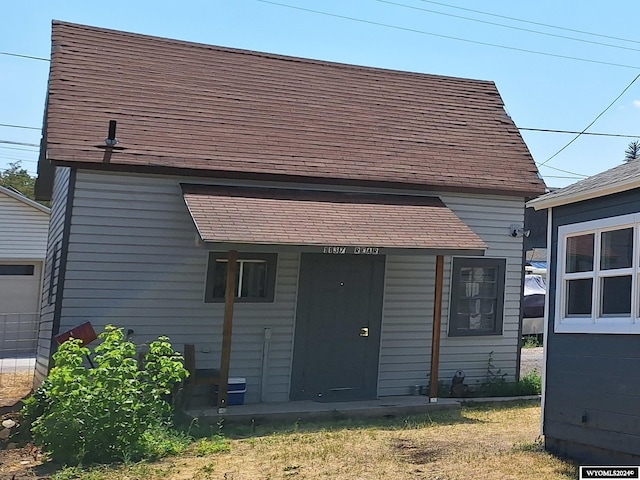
226, 112
10, 192
615, 180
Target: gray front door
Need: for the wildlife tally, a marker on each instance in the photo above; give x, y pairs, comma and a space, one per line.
337, 337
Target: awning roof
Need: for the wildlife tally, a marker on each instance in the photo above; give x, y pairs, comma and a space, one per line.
235, 215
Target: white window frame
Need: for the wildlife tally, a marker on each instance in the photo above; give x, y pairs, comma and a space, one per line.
597, 323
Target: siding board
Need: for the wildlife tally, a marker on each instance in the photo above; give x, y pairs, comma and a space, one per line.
592, 374
405, 354
61, 187
133, 261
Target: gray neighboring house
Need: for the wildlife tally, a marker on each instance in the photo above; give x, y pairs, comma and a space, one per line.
24, 225
368, 208
592, 342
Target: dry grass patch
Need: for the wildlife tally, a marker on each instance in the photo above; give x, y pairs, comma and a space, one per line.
14, 386
479, 442
482, 442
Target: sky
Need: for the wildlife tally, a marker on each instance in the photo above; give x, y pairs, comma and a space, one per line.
565, 66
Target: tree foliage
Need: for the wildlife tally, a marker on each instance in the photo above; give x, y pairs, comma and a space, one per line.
632, 152
17, 177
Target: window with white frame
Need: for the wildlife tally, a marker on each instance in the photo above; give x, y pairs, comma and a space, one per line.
255, 279
597, 288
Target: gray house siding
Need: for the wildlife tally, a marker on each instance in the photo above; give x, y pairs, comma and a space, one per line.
592, 380
407, 319
50, 305
133, 261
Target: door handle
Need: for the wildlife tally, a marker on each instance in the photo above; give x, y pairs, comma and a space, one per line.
364, 332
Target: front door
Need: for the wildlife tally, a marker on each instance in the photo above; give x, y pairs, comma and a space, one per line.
337, 337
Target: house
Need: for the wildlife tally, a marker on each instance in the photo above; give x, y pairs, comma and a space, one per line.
592, 380
356, 211
23, 246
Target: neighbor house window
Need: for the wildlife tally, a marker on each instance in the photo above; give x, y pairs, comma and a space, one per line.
597, 276
15, 269
477, 296
255, 279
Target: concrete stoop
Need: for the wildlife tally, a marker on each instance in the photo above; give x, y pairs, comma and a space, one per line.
386, 407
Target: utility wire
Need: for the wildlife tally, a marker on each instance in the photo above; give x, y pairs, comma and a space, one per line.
528, 30
564, 171
594, 121
448, 37
19, 143
532, 23
548, 130
19, 126
24, 56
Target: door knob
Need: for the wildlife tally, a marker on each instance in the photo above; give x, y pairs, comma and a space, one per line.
364, 332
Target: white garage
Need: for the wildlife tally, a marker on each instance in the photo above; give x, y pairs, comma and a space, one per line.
23, 244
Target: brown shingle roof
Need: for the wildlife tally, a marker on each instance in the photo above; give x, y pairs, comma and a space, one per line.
289, 217
229, 112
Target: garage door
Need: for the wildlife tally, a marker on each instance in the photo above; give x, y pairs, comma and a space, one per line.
19, 307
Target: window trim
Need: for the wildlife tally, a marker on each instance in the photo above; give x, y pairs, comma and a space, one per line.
270, 258
460, 262
596, 322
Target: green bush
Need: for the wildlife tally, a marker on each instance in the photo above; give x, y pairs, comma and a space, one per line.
106, 413
531, 383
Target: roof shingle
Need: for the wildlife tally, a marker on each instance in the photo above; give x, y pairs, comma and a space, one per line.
281, 217
220, 110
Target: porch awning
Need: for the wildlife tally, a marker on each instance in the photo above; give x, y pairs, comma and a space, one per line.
286, 217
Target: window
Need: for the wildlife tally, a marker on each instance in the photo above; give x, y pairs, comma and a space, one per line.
255, 280
597, 276
477, 296
54, 273
21, 270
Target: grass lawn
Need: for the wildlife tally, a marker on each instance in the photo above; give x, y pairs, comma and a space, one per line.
497, 441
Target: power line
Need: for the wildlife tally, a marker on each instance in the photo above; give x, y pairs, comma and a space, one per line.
448, 37
564, 171
563, 176
548, 130
528, 30
594, 121
24, 56
533, 23
19, 126
20, 143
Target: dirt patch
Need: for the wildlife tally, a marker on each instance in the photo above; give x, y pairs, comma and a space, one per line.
24, 463
14, 386
412, 452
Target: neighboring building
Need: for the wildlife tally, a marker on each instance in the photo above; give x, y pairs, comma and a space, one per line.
355, 196
23, 246
592, 380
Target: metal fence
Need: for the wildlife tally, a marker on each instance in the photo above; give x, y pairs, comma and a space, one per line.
18, 343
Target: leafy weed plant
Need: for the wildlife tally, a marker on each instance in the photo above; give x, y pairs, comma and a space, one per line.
112, 412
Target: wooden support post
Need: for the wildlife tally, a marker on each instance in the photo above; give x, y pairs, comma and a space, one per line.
227, 328
437, 324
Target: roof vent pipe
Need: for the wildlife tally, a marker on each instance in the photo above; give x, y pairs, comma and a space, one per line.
111, 140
